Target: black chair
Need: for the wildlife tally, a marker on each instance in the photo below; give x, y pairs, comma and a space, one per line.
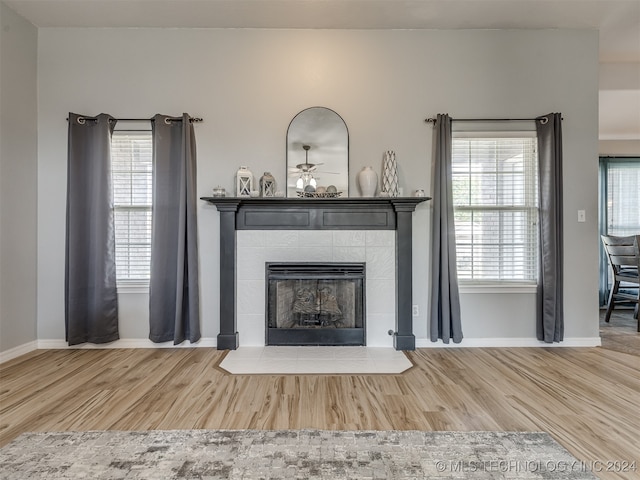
624, 259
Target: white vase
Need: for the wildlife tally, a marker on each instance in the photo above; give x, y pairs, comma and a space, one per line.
367, 182
389, 183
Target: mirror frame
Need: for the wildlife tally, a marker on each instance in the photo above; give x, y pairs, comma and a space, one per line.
335, 137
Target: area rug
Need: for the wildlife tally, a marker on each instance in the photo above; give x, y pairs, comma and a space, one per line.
287, 454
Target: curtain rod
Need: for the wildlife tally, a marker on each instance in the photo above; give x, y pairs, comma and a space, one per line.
433, 120
191, 119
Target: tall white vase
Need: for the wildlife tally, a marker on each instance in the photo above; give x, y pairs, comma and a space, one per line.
389, 182
367, 182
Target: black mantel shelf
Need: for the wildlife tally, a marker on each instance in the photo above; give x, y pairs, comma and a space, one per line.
311, 202
349, 213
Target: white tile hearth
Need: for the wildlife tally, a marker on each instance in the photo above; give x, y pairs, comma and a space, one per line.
315, 360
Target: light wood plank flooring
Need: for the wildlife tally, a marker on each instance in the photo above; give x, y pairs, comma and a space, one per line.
621, 333
588, 399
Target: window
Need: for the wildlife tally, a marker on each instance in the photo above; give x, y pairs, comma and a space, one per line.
495, 198
620, 186
619, 213
131, 166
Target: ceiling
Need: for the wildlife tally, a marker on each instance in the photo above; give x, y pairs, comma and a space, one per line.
618, 22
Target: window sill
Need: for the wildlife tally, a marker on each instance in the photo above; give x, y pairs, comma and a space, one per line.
133, 287
474, 288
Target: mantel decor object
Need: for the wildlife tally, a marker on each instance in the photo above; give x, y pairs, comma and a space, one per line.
244, 182
317, 151
319, 194
267, 185
390, 174
367, 182
219, 192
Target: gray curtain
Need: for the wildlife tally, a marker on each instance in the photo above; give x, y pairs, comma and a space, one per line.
174, 311
550, 309
603, 280
91, 300
445, 298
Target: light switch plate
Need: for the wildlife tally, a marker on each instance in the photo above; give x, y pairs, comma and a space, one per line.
582, 216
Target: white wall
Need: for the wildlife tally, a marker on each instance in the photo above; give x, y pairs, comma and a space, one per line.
18, 174
249, 84
619, 110
619, 148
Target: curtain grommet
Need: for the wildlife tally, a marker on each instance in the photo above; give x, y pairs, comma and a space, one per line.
82, 120
544, 120
167, 120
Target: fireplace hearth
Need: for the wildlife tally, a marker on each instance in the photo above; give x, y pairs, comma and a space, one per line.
315, 303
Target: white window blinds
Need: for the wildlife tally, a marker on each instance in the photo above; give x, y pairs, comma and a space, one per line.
132, 176
495, 206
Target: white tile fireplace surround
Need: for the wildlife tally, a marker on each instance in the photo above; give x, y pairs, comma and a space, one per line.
374, 247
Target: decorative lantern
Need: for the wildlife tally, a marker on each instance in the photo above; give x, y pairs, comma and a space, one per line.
244, 182
267, 185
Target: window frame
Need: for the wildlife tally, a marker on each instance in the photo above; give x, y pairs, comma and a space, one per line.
515, 286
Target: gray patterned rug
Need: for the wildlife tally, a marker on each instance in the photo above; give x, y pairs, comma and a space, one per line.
287, 454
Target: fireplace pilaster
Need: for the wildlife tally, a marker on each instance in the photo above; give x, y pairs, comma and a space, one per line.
228, 338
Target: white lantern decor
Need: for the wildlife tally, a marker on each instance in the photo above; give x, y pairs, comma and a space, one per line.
244, 182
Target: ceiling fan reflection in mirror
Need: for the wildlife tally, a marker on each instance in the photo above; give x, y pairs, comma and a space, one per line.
307, 182
306, 165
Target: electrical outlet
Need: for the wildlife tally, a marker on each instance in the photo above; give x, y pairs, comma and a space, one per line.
416, 311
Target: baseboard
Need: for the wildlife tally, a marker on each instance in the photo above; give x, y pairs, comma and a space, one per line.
509, 343
18, 351
56, 344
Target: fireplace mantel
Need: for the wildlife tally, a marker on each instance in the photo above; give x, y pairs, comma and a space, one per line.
380, 213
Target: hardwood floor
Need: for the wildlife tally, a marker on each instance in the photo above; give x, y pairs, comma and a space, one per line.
588, 399
621, 333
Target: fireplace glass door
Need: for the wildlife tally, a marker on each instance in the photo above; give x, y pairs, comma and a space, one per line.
315, 304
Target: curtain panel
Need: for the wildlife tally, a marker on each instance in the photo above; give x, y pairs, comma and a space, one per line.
550, 301
91, 300
174, 310
445, 298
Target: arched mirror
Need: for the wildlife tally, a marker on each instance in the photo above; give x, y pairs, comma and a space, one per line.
317, 154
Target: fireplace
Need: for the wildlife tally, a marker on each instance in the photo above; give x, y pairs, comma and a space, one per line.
315, 303
318, 215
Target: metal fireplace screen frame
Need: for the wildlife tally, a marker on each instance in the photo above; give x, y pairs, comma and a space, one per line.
311, 303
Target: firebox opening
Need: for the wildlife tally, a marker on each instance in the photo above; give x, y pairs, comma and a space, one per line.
315, 304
